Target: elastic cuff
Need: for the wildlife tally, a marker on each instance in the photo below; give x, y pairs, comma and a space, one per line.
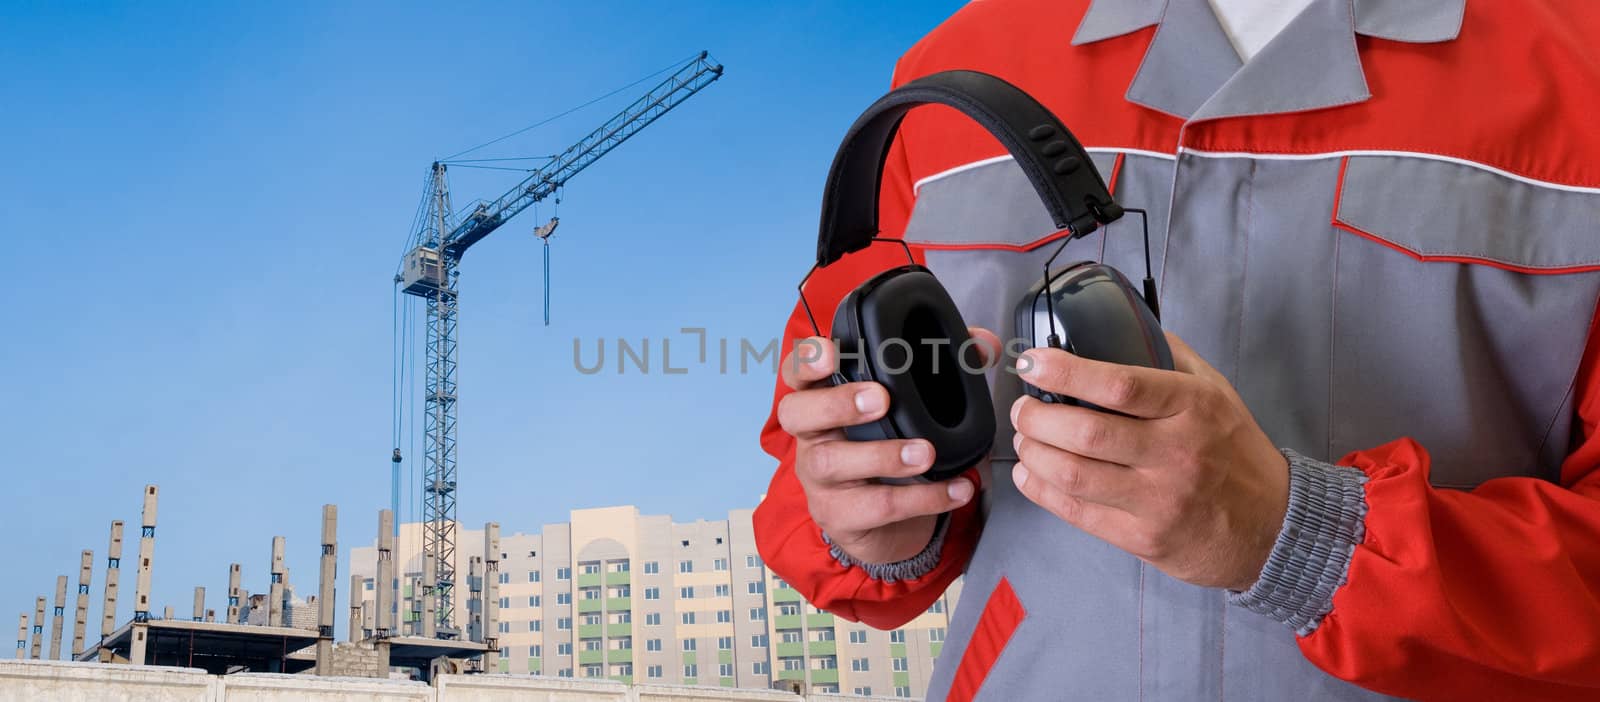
908, 569
1311, 556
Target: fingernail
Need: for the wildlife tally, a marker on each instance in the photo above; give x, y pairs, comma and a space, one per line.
1016, 443
916, 453
960, 491
1016, 407
868, 402
1019, 475
1026, 363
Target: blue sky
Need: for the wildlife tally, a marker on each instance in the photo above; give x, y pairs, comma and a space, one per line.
202, 208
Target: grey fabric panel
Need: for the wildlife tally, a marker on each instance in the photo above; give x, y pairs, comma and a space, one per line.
1203, 298
990, 204
1437, 208
1262, 663
1311, 64
1410, 20
1111, 18
1080, 638
1189, 58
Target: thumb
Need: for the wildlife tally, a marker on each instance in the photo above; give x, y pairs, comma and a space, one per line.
988, 345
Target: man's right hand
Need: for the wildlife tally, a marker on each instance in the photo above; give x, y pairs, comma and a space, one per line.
873, 522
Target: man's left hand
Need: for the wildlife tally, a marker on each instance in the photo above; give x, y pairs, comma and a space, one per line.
1187, 481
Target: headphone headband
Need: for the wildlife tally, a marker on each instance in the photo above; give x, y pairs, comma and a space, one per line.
1049, 155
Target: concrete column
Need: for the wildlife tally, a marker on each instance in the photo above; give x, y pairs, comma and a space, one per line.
275, 593
356, 621
385, 584
199, 603
211, 615
141, 639
430, 615
38, 628
108, 611
325, 594
166, 613
491, 597
80, 619
147, 554
475, 598
244, 606
58, 618
22, 636
235, 595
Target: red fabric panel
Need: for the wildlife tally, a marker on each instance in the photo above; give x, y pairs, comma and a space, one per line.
1000, 618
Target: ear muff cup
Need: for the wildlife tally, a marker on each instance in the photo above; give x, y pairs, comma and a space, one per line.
902, 330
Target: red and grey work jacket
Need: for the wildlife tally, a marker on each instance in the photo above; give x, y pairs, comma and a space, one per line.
1385, 231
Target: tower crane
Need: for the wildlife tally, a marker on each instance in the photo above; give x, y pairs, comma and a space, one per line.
429, 270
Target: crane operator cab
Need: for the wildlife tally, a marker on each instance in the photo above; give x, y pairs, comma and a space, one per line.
423, 272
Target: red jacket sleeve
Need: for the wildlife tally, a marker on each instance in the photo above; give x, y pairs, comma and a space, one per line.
789, 541
1492, 594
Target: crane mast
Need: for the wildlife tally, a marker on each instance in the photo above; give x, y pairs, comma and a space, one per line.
429, 271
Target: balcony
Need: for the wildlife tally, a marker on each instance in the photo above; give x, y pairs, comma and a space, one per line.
591, 657
618, 604
591, 631
591, 579
786, 595
588, 606
790, 650
822, 648
830, 675
786, 621
819, 621
792, 675
619, 629
935, 647
619, 655
617, 578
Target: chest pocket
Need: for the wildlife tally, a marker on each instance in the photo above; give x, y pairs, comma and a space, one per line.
1463, 300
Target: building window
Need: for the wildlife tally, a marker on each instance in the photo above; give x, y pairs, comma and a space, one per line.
758, 614
936, 634
533, 625
725, 670
724, 616
688, 645
822, 634
722, 591
859, 665
902, 691
620, 591
591, 644
795, 663
790, 635
590, 593
651, 567
897, 636
687, 617
564, 673
653, 671
824, 662
691, 671
591, 619
533, 601
505, 627
564, 649
564, 624
825, 688
535, 651
858, 637
623, 617
752, 562
619, 566
937, 608
652, 619
505, 578
590, 567
368, 583
724, 643
622, 669
563, 573
900, 665
758, 641
756, 587
533, 576
781, 584
563, 598
761, 668
720, 563
652, 645
788, 609
652, 593
505, 603
686, 592
685, 566
864, 691
593, 671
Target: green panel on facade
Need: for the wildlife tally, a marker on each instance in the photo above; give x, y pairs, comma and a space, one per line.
726, 682
822, 648
619, 629
791, 650
688, 657
830, 675
591, 657
617, 578
410, 616
902, 679
409, 590
619, 655
533, 666
505, 665
786, 595
618, 604
724, 656
897, 650
590, 631
588, 606
590, 579
690, 681
792, 675
624, 679
786, 621
935, 647
819, 621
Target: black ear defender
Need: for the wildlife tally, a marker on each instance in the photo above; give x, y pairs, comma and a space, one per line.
901, 328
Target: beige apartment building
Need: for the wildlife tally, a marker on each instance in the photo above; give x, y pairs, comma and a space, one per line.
616, 594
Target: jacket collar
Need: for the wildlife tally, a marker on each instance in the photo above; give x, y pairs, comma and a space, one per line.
1191, 71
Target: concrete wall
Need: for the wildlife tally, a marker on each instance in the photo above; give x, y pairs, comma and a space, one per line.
53, 680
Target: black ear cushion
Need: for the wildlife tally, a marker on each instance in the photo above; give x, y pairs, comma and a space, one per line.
907, 335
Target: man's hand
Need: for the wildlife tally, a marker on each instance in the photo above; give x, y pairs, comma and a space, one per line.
1187, 481
871, 521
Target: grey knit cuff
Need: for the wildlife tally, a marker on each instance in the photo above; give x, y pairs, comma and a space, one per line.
908, 569
1311, 557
